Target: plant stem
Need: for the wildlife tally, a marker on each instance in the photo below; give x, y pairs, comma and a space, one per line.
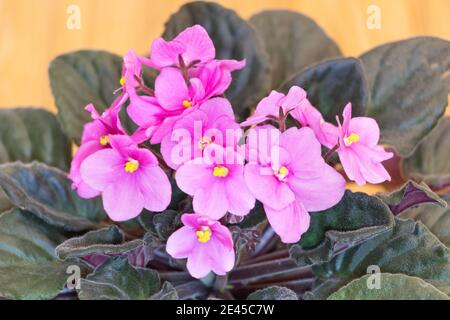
330, 152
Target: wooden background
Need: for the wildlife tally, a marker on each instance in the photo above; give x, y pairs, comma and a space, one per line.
32, 32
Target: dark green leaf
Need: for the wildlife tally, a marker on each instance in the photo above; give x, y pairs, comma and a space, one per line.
79, 78
273, 293
167, 292
437, 219
354, 219
408, 248
331, 85
392, 287
430, 162
28, 134
293, 41
254, 217
410, 195
116, 279
46, 192
409, 82
233, 38
29, 268
105, 241
166, 223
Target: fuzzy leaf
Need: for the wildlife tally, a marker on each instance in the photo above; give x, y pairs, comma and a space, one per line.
408, 248
430, 162
79, 78
167, 292
409, 82
437, 219
410, 195
293, 41
392, 287
28, 134
331, 85
233, 38
116, 279
29, 268
273, 293
46, 192
354, 219
105, 241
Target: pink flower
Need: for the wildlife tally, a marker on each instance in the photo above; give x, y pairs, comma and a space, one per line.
293, 181
95, 137
270, 106
128, 178
193, 45
308, 116
216, 182
207, 245
359, 152
212, 122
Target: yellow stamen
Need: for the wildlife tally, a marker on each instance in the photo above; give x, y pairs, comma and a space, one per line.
204, 235
352, 138
131, 165
122, 81
220, 171
204, 142
282, 173
187, 103
104, 140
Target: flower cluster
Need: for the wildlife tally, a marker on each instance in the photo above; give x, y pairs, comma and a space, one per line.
224, 170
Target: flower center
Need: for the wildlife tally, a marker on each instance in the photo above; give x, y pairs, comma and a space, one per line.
104, 140
282, 173
187, 103
204, 142
131, 165
352, 138
204, 235
220, 171
122, 81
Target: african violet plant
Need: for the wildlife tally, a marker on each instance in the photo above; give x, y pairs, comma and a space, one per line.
216, 168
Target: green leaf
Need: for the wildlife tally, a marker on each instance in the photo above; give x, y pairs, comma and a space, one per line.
28, 134
105, 241
46, 192
29, 268
293, 41
79, 78
161, 225
409, 82
408, 248
409, 195
273, 293
331, 85
354, 219
437, 219
430, 161
116, 279
167, 292
392, 287
233, 38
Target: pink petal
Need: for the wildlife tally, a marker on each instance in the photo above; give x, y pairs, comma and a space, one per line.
123, 199
155, 187
211, 200
199, 263
267, 188
181, 243
171, 89
192, 176
165, 53
290, 222
102, 168
198, 44
350, 164
221, 258
268, 106
367, 130
293, 99
240, 200
321, 192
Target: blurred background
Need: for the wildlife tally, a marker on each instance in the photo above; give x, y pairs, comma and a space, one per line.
32, 32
